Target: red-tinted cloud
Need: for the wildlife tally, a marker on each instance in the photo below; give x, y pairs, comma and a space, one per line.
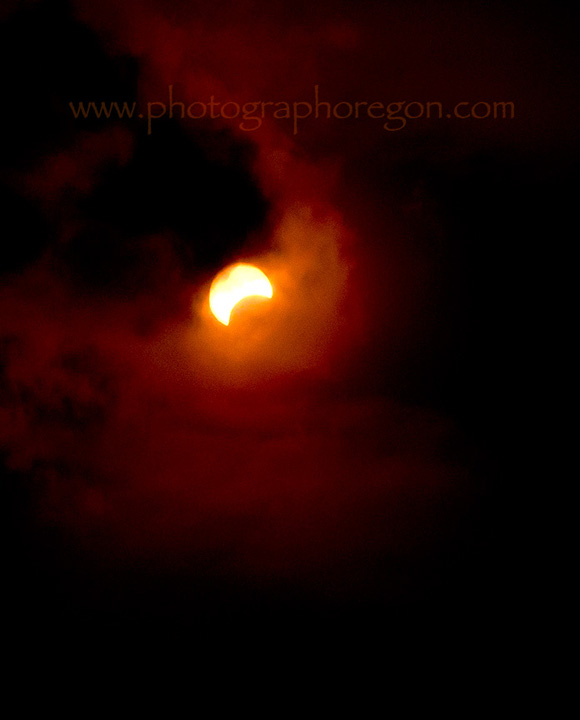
270, 448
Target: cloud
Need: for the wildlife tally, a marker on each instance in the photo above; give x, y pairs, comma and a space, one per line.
148, 454
270, 449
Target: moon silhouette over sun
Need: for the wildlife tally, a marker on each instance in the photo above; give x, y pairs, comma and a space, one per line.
233, 284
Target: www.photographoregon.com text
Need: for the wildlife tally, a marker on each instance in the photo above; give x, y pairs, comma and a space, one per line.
251, 115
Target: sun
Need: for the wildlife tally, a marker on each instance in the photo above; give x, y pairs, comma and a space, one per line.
233, 284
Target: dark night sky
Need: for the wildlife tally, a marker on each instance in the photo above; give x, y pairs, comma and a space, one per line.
347, 456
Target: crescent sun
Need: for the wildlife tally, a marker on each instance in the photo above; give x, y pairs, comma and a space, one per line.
233, 284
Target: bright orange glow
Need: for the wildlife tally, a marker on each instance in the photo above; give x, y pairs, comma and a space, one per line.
233, 284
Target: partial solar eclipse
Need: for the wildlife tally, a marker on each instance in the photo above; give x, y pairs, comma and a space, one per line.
233, 284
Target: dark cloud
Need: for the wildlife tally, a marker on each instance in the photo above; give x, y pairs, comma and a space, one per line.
171, 186
30, 232
51, 59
